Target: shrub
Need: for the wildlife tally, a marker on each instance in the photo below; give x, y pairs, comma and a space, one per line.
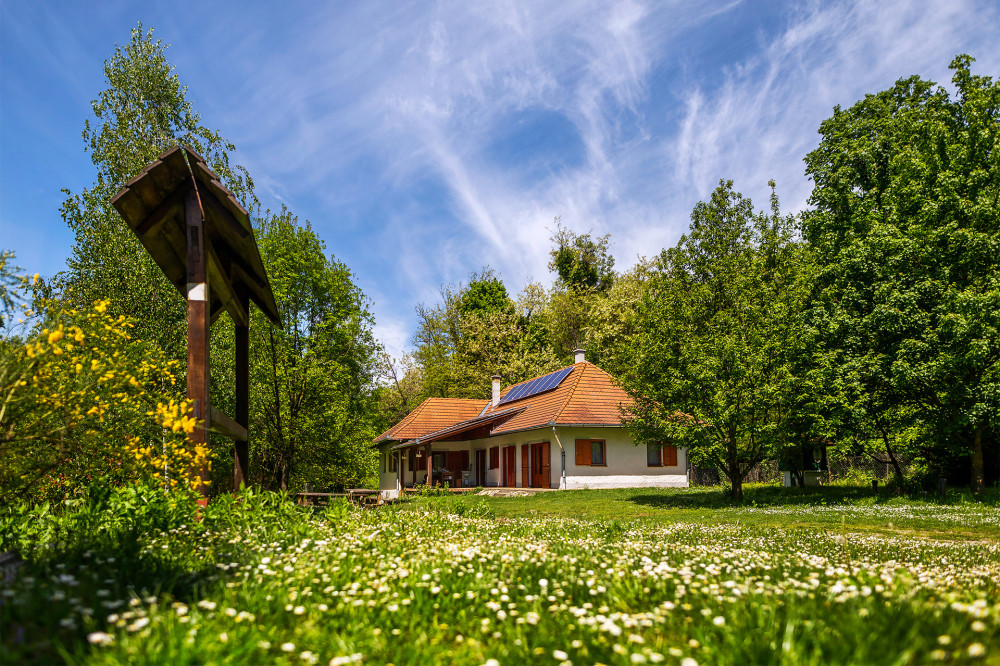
82, 404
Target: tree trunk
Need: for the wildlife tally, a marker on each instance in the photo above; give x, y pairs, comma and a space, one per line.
737, 480
892, 455
978, 468
800, 477
284, 476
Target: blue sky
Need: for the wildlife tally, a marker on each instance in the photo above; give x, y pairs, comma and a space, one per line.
426, 140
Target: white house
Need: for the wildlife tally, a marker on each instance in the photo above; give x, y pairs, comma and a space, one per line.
560, 430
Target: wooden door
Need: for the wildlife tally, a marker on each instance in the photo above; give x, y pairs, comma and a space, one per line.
525, 467
541, 466
481, 467
510, 466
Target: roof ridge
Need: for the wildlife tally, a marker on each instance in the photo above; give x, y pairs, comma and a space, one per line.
572, 392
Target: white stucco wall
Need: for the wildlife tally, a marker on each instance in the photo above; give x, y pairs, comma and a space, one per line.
388, 482
626, 463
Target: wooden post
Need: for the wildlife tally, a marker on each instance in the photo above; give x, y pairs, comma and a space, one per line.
430, 467
198, 323
241, 463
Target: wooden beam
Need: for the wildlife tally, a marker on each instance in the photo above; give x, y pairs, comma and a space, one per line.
241, 464
223, 215
223, 425
172, 205
225, 291
198, 325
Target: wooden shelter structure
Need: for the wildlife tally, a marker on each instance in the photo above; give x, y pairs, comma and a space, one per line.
200, 237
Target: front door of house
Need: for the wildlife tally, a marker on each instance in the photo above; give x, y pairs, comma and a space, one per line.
510, 466
540, 465
481, 467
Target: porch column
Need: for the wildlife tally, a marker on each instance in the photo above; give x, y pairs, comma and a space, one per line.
241, 466
430, 466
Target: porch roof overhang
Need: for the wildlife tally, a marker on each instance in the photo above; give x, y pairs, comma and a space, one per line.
459, 428
153, 206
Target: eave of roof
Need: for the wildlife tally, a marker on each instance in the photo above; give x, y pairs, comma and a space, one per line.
431, 415
459, 428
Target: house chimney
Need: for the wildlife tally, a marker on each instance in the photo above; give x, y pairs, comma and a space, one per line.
580, 355
496, 391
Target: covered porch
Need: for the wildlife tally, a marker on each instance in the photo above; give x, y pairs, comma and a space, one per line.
445, 465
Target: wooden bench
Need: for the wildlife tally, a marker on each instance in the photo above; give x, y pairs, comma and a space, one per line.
363, 496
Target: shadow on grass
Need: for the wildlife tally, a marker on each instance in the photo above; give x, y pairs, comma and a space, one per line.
768, 496
44, 611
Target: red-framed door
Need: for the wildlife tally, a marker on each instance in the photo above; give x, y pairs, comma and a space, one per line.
541, 467
510, 466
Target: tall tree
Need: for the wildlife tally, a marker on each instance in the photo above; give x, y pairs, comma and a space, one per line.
580, 261
906, 229
477, 331
709, 364
584, 274
315, 411
143, 111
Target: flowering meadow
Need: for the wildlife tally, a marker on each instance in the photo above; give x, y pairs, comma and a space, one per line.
446, 580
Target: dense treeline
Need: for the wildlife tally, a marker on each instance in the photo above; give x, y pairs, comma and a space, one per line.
314, 391
867, 325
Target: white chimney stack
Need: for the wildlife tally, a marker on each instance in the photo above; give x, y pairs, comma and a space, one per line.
496, 391
580, 355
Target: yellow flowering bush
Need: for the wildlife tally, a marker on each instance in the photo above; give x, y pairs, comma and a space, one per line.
78, 394
171, 460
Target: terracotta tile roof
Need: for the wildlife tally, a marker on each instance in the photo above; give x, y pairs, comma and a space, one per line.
588, 396
452, 431
432, 415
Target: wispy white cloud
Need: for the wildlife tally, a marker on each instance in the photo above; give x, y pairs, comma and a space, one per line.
763, 119
395, 127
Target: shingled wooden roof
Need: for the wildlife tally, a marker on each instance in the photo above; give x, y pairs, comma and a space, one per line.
587, 396
152, 204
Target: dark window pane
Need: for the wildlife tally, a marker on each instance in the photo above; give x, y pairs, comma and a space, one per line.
596, 453
653, 455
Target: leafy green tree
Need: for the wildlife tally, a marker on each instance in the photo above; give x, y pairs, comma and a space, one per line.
612, 320
143, 111
485, 294
315, 410
581, 262
478, 331
709, 364
906, 229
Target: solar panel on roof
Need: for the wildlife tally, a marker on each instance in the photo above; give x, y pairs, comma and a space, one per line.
536, 386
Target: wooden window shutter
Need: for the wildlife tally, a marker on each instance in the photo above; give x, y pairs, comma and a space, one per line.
494, 457
525, 468
669, 455
583, 452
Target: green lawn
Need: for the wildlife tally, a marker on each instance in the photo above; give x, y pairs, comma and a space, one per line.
957, 516
616, 577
